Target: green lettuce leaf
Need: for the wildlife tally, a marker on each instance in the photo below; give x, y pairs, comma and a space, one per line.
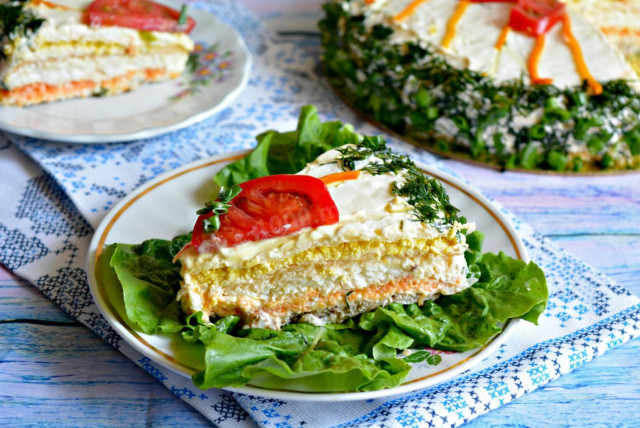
149, 281
299, 357
508, 288
288, 152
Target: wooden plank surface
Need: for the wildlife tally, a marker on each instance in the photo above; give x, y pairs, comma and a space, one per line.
54, 371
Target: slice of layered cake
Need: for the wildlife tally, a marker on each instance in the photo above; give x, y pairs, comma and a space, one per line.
54, 51
358, 228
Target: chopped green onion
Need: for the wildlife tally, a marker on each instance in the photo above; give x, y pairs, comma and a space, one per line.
182, 20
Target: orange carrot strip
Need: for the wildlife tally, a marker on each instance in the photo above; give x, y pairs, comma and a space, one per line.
51, 4
503, 37
534, 58
578, 58
453, 22
340, 176
408, 11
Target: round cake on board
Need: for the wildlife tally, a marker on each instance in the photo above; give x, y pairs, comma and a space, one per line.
526, 84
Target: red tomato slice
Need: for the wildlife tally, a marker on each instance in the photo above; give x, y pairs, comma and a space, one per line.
536, 17
143, 15
267, 207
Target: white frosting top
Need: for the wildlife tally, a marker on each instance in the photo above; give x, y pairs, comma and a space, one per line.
368, 211
478, 30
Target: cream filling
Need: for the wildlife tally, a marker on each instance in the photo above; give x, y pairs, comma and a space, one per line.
342, 275
67, 25
479, 29
70, 69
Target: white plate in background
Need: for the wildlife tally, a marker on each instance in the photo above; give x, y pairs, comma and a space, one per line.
223, 65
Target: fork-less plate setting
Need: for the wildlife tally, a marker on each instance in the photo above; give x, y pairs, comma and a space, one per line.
181, 192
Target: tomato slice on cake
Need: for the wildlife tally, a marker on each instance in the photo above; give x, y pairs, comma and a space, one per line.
267, 207
144, 15
536, 17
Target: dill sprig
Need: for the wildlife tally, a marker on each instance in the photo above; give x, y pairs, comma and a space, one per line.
182, 19
218, 207
16, 21
429, 199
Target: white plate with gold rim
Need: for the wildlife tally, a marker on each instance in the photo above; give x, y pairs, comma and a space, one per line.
219, 71
166, 206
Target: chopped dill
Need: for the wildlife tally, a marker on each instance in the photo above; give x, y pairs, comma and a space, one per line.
182, 19
427, 196
413, 90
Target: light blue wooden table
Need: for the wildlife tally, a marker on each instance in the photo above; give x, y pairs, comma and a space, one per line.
56, 372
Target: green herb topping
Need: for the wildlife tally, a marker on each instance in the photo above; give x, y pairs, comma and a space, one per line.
16, 21
182, 19
427, 196
414, 91
218, 207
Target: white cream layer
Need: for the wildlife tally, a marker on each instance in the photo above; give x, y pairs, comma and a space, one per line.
478, 30
96, 69
67, 25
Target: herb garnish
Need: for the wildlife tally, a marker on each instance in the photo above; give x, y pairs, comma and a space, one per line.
420, 356
218, 207
101, 92
16, 21
182, 19
414, 91
427, 196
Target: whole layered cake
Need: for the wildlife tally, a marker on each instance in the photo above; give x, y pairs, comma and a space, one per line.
526, 84
55, 51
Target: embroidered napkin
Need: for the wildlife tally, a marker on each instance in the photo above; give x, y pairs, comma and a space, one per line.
52, 209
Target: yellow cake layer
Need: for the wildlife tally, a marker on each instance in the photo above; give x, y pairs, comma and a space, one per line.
227, 276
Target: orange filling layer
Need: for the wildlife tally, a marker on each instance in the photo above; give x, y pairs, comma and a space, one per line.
312, 301
36, 93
